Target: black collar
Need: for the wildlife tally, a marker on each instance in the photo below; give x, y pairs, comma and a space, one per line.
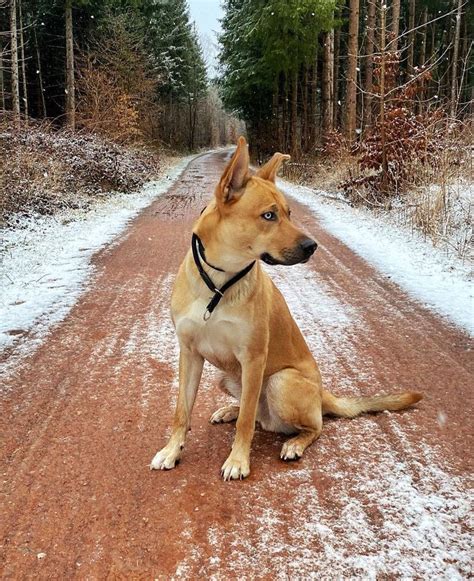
198, 253
202, 253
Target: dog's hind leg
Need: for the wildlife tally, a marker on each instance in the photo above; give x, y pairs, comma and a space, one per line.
228, 413
225, 414
294, 403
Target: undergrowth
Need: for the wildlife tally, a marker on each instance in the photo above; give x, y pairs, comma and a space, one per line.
43, 169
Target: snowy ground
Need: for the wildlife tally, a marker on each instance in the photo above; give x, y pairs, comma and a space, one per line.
426, 273
45, 261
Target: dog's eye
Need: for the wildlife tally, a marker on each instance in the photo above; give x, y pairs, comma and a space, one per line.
269, 216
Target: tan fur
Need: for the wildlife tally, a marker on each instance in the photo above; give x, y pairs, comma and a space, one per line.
251, 336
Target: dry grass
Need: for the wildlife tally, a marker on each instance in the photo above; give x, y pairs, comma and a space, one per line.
326, 173
438, 202
43, 170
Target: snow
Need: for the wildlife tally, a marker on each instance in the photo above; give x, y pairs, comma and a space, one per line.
440, 283
45, 261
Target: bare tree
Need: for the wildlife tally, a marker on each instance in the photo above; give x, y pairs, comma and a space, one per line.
2, 80
14, 64
369, 61
337, 45
351, 92
328, 82
383, 17
70, 89
40, 74
395, 23
294, 114
454, 80
23, 63
411, 35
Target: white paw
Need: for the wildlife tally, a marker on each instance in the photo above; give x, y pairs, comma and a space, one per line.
228, 413
235, 468
291, 451
166, 458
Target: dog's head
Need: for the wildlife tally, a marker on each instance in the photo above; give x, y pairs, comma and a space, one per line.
250, 218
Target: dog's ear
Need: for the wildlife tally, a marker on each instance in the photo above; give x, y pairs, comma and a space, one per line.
235, 175
270, 169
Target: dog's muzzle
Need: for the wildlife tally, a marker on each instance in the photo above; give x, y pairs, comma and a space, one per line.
302, 252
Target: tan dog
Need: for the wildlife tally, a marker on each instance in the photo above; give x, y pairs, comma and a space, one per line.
250, 334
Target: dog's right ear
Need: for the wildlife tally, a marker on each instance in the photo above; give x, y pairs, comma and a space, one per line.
235, 175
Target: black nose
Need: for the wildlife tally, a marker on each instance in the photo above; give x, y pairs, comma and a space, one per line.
308, 246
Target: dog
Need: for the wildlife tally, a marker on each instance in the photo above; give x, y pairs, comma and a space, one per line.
226, 310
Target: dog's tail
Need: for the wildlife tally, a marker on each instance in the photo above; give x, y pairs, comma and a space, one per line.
349, 407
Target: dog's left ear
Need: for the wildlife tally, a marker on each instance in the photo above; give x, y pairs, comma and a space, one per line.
270, 169
235, 175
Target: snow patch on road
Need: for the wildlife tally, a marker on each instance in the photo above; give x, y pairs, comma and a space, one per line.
365, 513
441, 284
45, 261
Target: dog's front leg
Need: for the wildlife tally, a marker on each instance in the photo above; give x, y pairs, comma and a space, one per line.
190, 370
237, 465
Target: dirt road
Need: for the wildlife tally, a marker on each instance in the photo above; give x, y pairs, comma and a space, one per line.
378, 496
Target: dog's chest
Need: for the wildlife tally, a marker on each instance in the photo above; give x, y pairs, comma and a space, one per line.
218, 339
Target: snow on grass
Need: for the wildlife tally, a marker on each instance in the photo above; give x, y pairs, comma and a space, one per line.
441, 284
45, 261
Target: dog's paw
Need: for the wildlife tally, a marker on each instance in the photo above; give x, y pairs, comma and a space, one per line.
228, 413
166, 459
291, 450
235, 468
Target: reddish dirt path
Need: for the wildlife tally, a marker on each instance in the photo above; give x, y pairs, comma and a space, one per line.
379, 496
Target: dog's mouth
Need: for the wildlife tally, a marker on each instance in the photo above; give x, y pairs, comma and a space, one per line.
289, 261
268, 259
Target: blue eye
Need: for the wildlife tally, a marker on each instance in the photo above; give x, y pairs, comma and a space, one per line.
269, 216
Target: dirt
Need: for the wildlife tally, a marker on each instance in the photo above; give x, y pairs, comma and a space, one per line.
378, 496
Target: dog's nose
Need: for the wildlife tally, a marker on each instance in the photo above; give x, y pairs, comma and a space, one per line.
308, 246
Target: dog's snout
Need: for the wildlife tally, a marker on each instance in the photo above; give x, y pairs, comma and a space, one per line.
308, 246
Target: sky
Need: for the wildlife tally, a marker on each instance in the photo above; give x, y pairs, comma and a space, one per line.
206, 13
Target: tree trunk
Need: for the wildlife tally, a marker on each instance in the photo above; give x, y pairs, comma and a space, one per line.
314, 100
422, 57
70, 89
351, 92
447, 76
2, 80
286, 115
294, 115
424, 37
305, 124
395, 28
328, 82
23, 64
454, 79
383, 15
411, 36
40, 74
281, 113
14, 65
335, 91
369, 63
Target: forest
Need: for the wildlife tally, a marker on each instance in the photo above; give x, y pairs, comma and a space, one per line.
382, 88
126, 69
387, 82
